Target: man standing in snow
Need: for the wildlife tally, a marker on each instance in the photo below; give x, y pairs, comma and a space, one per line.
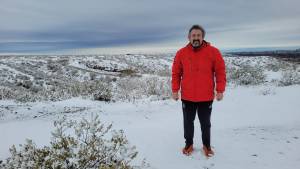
198, 71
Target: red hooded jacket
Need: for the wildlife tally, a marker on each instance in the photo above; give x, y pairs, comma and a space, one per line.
197, 72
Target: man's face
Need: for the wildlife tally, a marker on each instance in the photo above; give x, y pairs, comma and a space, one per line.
195, 38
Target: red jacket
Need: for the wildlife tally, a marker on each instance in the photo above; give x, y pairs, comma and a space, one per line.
195, 72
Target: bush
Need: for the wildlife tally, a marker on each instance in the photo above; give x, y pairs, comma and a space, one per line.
53, 66
104, 94
131, 89
289, 77
90, 145
267, 91
128, 72
6, 93
246, 75
93, 75
166, 71
59, 90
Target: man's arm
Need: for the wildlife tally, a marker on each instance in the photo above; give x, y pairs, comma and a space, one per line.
176, 76
220, 73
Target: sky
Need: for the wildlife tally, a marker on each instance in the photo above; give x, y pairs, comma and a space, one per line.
96, 26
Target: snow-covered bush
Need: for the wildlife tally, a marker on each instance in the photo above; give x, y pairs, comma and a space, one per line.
74, 73
267, 91
158, 86
134, 88
165, 72
96, 89
57, 90
25, 96
103, 93
25, 83
245, 74
273, 66
63, 61
128, 72
53, 66
76, 144
289, 77
277, 64
6, 93
127, 89
93, 75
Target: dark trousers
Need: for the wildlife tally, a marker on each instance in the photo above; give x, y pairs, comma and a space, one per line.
203, 110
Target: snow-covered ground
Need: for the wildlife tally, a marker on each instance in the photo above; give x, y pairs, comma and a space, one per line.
253, 127
249, 129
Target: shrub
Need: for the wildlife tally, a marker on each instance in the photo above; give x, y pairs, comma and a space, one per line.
59, 90
267, 91
136, 88
6, 93
128, 72
246, 75
289, 77
53, 66
83, 144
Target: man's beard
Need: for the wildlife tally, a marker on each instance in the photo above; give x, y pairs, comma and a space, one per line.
196, 43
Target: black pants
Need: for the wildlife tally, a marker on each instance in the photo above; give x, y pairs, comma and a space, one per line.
203, 110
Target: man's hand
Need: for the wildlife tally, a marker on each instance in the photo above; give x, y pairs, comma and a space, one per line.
219, 96
175, 96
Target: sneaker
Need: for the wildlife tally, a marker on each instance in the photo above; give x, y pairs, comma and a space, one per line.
208, 152
188, 149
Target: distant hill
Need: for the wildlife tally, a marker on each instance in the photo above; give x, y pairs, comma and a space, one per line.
290, 55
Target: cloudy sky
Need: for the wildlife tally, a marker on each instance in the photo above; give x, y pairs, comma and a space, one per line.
92, 25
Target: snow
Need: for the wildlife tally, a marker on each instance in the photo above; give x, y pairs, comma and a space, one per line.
253, 127
249, 129
273, 75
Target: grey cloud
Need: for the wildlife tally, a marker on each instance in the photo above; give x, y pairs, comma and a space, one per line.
117, 22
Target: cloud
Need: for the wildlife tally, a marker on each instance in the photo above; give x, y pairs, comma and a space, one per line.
101, 23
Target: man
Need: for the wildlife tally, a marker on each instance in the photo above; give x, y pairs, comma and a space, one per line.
198, 71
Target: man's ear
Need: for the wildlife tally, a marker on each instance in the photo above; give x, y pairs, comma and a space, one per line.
189, 36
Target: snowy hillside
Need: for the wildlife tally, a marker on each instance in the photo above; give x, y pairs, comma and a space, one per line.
257, 125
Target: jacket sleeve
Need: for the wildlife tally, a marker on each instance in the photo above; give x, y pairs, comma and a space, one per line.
220, 72
176, 73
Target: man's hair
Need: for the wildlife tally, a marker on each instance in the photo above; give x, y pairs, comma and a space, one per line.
199, 28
